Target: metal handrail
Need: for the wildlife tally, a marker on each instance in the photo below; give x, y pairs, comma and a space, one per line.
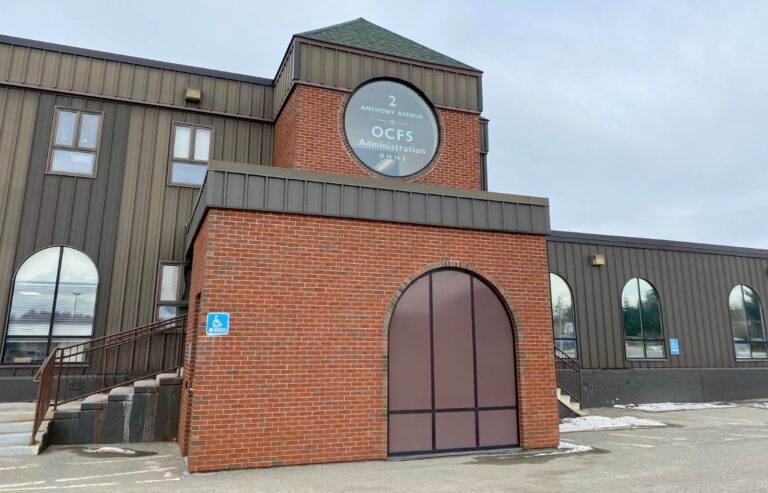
84, 364
568, 373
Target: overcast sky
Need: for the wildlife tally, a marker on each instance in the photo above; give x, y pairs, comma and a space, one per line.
645, 118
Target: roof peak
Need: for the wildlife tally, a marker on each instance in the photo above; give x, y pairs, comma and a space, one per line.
365, 35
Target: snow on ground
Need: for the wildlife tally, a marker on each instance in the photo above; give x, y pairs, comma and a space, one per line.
661, 407
567, 448
759, 405
109, 450
594, 423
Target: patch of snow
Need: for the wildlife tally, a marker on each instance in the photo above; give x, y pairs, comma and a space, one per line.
567, 448
759, 405
594, 423
109, 450
662, 407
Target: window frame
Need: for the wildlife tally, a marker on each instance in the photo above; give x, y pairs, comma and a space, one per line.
192, 142
643, 339
180, 288
749, 340
575, 337
52, 146
50, 337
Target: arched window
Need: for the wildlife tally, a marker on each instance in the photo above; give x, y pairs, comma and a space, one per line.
563, 319
53, 302
643, 332
747, 324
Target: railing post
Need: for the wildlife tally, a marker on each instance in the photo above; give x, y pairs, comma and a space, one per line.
60, 364
104, 367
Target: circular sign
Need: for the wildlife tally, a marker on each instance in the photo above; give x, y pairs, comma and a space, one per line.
391, 128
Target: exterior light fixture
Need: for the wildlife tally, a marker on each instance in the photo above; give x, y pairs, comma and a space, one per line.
192, 95
597, 260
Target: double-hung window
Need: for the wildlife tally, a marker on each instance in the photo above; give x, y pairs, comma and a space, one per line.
190, 153
171, 290
75, 142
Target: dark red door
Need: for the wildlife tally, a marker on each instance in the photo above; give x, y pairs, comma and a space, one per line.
451, 367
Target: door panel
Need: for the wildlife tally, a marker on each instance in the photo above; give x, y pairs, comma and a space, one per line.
452, 380
410, 372
452, 340
496, 385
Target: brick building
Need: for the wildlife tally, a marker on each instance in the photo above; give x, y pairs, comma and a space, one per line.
320, 254
370, 311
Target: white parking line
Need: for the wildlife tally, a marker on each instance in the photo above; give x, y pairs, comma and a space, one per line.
141, 471
13, 468
107, 461
649, 437
747, 436
55, 487
641, 445
16, 485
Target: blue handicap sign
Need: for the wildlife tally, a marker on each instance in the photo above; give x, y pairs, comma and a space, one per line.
674, 347
217, 324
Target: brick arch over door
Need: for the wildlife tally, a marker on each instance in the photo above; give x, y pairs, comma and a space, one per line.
452, 372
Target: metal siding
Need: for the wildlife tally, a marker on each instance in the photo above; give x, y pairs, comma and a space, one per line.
289, 190
337, 67
17, 122
693, 288
283, 81
94, 77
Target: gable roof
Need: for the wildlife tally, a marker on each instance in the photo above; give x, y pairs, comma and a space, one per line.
365, 35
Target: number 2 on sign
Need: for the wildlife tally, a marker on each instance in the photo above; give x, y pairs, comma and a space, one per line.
392, 101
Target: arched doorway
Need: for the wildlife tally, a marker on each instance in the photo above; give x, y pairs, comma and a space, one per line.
452, 375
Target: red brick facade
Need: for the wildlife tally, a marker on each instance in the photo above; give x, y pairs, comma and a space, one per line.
309, 136
302, 378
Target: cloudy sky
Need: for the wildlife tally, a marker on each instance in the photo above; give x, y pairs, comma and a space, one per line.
638, 118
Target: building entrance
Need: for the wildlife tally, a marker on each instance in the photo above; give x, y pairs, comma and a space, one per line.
452, 376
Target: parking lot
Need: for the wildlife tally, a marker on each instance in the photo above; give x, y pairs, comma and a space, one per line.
706, 450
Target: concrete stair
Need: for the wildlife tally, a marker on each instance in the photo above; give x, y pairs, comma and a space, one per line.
16, 423
570, 403
145, 411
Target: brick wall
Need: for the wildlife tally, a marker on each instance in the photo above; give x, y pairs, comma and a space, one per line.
309, 136
302, 376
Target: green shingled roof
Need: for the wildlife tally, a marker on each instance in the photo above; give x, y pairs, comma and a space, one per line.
365, 35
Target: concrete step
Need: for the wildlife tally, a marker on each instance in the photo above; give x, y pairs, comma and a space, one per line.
120, 394
21, 426
16, 412
168, 378
20, 438
145, 386
16, 450
571, 404
94, 402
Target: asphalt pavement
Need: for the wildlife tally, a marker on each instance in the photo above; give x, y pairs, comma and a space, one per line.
713, 450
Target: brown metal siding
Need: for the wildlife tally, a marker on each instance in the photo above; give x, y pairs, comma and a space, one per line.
693, 288
17, 123
337, 67
152, 216
126, 219
96, 77
284, 81
72, 211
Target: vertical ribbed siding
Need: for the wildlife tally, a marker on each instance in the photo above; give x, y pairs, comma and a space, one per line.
153, 216
693, 288
17, 121
126, 219
284, 80
97, 77
75, 211
337, 67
